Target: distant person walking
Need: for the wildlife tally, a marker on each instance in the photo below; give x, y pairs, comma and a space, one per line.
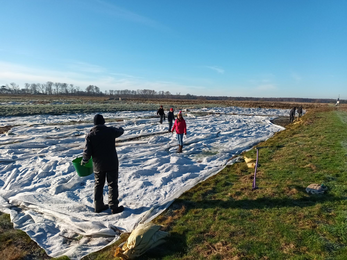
170, 118
161, 113
181, 128
299, 111
100, 145
337, 101
292, 114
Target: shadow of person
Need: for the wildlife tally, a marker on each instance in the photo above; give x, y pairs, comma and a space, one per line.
175, 246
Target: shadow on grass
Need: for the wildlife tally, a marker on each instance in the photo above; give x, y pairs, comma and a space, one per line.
262, 203
175, 246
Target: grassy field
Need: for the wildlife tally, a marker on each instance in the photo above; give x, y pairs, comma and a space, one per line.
222, 218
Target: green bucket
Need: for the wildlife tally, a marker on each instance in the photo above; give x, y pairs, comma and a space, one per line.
83, 170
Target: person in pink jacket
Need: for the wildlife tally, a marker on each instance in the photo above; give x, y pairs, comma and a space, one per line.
181, 128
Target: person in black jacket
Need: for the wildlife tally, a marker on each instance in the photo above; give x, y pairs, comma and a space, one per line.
100, 145
299, 111
170, 118
292, 114
161, 113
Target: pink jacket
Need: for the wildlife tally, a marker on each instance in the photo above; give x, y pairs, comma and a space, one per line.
180, 127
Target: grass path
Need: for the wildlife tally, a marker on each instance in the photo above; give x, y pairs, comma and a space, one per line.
222, 218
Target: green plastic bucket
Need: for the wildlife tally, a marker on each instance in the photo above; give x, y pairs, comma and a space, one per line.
83, 170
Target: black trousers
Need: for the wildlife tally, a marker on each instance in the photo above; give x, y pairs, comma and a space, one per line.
112, 182
170, 126
161, 118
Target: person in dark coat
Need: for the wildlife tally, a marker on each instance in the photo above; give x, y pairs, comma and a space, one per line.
161, 113
170, 118
100, 145
292, 114
299, 111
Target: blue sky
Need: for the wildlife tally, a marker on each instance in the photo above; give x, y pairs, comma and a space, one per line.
250, 48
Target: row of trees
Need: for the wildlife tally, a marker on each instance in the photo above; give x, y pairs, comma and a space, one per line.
57, 88
48, 88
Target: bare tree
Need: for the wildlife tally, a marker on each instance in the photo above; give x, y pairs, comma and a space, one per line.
56, 87
90, 89
27, 87
5, 90
33, 88
49, 87
64, 88
15, 87
40, 88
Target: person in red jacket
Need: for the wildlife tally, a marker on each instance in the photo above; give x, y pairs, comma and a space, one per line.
181, 128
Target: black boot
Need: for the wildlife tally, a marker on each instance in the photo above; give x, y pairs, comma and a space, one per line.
105, 207
117, 210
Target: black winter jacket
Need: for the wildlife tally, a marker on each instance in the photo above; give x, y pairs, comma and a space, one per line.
101, 146
161, 112
170, 117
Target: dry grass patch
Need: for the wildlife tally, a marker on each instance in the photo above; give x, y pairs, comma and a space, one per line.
12, 252
311, 166
170, 216
15, 244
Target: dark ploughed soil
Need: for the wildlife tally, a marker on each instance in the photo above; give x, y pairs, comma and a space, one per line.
4, 129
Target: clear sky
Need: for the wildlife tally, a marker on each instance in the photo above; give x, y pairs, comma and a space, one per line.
250, 48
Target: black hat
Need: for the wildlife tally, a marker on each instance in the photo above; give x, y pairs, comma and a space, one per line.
99, 119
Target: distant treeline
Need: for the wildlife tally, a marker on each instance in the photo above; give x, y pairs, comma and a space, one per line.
57, 88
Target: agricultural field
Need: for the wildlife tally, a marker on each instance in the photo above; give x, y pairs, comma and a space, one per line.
223, 133
58, 105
